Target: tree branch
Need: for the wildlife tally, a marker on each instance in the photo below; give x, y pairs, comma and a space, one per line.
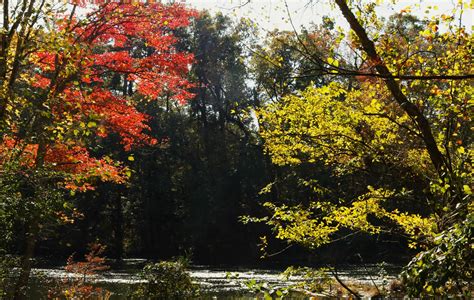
411, 109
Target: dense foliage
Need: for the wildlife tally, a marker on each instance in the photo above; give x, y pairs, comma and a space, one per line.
56, 66
417, 130
156, 130
166, 280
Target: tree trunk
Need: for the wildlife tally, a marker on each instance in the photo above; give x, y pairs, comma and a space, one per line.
411, 109
32, 230
118, 223
26, 261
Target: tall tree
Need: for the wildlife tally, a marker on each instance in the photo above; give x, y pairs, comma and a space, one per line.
56, 99
409, 116
188, 192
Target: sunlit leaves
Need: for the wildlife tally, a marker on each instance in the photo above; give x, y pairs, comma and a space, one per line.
64, 100
330, 124
358, 127
319, 223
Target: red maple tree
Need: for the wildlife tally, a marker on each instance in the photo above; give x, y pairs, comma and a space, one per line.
57, 96
73, 100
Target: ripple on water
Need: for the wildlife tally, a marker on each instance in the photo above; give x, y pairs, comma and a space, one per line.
209, 279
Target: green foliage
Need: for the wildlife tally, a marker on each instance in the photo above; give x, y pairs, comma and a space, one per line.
309, 279
30, 197
282, 65
300, 280
264, 290
445, 268
166, 280
7, 278
347, 158
186, 192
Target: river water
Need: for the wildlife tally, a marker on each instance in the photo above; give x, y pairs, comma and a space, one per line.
214, 283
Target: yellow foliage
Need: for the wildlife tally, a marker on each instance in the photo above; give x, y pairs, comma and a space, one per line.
345, 129
415, 226
317, 224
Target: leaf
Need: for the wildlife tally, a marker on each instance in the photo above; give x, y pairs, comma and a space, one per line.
467, 190
333, 62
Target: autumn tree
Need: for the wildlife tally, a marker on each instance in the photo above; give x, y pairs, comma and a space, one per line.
56, 98
285, 62
187, 197
408, 115
187, 191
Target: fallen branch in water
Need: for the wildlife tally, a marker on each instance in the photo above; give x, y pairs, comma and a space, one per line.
334, 273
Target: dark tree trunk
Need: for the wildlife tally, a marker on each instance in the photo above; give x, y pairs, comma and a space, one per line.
118, 224
26, 261
411, 109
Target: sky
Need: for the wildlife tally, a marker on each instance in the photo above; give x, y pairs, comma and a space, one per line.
271, 14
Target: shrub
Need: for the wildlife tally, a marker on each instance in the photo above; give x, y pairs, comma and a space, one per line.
447, 268
79, 288
7, 279
166, 280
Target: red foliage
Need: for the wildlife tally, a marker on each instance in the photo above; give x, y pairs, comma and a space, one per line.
71, 159
94, 261
79, 288
132, 40
129, 24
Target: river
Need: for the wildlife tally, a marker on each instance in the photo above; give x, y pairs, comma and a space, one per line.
214, 283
